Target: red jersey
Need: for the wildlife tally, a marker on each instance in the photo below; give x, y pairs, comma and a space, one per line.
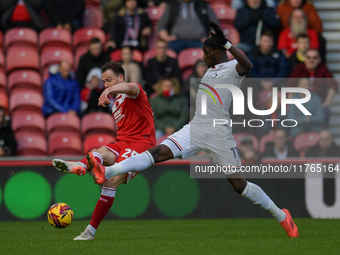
134, 117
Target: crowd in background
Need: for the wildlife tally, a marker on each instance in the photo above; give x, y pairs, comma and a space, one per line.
283, 39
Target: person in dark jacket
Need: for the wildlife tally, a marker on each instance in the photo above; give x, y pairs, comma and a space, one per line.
8, 144
169, 107
325, 146
185, 23
161, 66
61, 92
280, 148
95, 57
130, 27
21, 13
268, 62
299, 56
66, 14
250, 20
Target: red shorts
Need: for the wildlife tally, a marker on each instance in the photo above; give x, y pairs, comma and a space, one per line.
124, 150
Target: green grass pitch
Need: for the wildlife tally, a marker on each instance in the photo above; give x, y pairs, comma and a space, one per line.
222, 236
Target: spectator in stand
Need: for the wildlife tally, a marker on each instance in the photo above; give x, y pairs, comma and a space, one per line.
132, 70
268, 62
95, 57
8, 144
285, 9
314, 106
170, 107
247, 152
110, 9
91, 93
61, 92
325, 88
152, 3
21, 13
130, 27
280, 148
190, 89
298, 25
161, 66
299, 56
250, 20
66, 14
185, 24
238, 4
326, 147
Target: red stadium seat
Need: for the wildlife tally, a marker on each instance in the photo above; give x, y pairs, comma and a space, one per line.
4, 101
98, 123
22, 58
31, 101
63, 122
80, 51
223, 12
154, 13
84, 35
23, 121
93, 17
188, 57
2, 60
136, 55
23, 80
3, 82
51, 37
238, 137
264, 140
21, 36
65, 144
231, 33
152, 53
31, 144
52, 56
303, 141
96, 141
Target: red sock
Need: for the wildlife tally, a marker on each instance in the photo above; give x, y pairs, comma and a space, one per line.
103, 206
96, 155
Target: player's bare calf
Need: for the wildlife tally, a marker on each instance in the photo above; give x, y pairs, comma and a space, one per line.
69, 167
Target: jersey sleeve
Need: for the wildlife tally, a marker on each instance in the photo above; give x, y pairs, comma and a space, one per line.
140, 89
233, 70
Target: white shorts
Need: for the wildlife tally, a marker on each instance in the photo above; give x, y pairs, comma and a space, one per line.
219, 144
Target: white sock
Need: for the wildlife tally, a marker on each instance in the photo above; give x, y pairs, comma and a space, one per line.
134, 163
255, 194
91, 229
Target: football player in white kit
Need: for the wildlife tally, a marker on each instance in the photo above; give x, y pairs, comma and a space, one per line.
200, 134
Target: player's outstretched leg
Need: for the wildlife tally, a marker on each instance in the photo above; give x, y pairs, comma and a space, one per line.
77, 168
255, 194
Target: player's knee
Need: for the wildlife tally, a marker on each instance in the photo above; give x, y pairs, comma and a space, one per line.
239, 188
161, 153
115, 181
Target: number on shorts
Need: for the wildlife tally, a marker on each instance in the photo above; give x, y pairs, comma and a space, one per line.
235, 152
129, 151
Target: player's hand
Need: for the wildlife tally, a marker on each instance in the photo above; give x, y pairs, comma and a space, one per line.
218, 35
104, 98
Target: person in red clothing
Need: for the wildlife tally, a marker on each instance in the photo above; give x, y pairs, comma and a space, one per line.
286, 7
135, 134
325, 88
298, 25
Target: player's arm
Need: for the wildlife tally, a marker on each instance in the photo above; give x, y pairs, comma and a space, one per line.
244, 65
127, 88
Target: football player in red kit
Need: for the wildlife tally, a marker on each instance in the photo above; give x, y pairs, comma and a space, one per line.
135, 134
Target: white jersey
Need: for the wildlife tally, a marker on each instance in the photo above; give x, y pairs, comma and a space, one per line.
217, 100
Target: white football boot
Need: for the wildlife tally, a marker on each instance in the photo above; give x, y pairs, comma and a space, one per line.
86, 235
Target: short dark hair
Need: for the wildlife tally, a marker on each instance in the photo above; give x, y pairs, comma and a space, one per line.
267, 33
302, 36
95, 40
116, 68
